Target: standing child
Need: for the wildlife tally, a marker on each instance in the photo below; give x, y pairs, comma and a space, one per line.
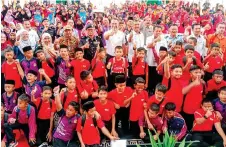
45, 111
154, 119
29, 62
79, 64
117, 65
98, 67
137, 102
88, 87
139, 66
48, 64
23, 117
65, 129
30, 80
173, 122
194, 92
177, 48
87, 130
9, 98
118, 96
62, 66
214, 61
106, 109
10, 71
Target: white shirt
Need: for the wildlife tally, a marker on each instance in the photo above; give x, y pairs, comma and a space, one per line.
138, 39
201, 45
33, 37
150, 56
117, 39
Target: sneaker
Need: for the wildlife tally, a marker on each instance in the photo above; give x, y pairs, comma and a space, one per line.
13, 144
44, 144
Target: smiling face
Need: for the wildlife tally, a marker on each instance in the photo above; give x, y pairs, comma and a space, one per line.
177, 73
3, 38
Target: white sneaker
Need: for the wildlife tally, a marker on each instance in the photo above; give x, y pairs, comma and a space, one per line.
44, 144
14, 144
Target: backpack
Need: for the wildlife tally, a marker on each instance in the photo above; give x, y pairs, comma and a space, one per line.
123, 64
84, 120
28, 112
48, 62
40, 104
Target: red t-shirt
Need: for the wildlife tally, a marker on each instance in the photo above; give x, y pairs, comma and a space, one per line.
79, 66
207, 125
90, 134
89, 87
45, 109
71, 96
105, 110
139, 67
153, 99
11, 73
174, 94
118, 66
48, 70
137, 105
193, 98
213, 86
214, 63
98, 68
119, 98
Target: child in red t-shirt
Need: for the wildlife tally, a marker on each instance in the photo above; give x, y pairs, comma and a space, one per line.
79, 64
137, 102
117, 65
88, 87
215, 84
98, 67
154, 119
70, 93
205, 119
214, 61
106, 109
45, 111
177, 48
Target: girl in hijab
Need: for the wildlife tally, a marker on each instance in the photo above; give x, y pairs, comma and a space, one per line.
47, 45
4, 46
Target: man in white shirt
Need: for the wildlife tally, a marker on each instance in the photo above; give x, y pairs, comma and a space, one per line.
147, 28
33, 36
114, 37
201, 41
154, 43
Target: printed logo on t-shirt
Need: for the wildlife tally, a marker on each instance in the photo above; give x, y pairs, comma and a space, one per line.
35, 64
106, 109
142, 100
211, 119
14, 68
14, 101
92, 125
75, 121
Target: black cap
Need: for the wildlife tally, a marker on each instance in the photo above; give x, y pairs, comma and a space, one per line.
120, 79
12, 82
32, 72
163, 48
27, 48
89, 26
88, 105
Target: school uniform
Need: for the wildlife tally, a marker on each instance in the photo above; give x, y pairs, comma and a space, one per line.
161, 103
89, 87
122, 114
25, 120
213, 87
10, 101
68, 97
78, 67
139, 69
136, 110
98, 71
220, 107
64, 132
31, 64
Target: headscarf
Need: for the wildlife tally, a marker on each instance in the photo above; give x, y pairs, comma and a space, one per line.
23, 43
47, 48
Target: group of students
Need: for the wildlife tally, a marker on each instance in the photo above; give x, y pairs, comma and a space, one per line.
65, 110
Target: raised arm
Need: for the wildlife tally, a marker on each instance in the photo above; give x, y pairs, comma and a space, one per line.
56, 91
43, 73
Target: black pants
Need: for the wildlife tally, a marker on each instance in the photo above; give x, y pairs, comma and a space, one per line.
154, 78
100, 81
95, 145
206, 139
134, 129
9, 131
189, 119
42, 131
60, 143
108, 125
122, 121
